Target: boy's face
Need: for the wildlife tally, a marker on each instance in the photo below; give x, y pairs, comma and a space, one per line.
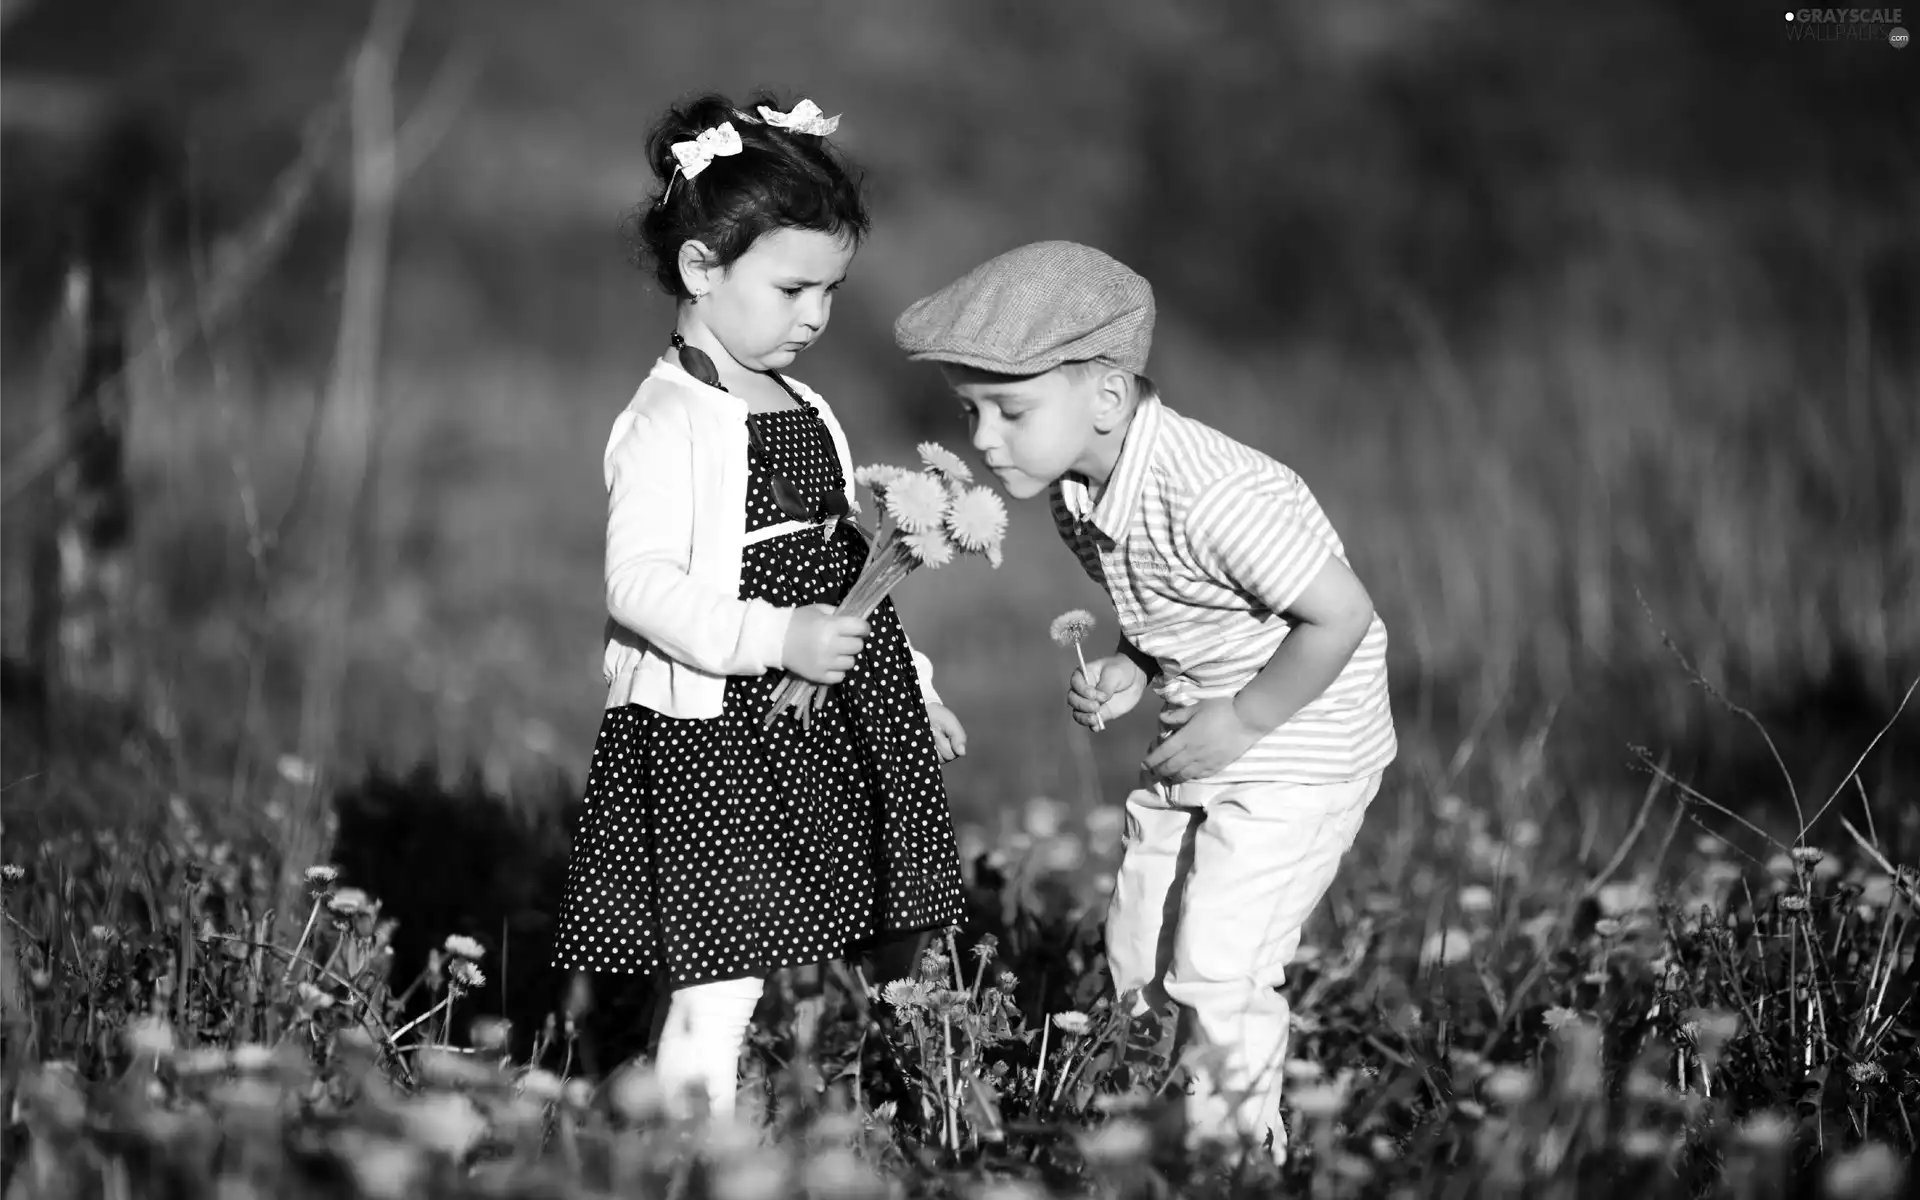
1031, 430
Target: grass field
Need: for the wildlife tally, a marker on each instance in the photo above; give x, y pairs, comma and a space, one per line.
1595, 435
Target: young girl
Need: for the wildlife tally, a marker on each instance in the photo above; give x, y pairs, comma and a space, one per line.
714, 850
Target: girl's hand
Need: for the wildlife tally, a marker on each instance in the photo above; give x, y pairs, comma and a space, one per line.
948, 737
822, 647
1108, 688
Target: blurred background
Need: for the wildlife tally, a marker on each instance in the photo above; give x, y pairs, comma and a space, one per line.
1591, 325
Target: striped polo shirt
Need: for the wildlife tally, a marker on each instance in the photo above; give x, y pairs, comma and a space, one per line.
1203, 543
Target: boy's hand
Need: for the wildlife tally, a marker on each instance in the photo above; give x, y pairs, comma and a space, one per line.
1115, 686
1200, 739
949, 739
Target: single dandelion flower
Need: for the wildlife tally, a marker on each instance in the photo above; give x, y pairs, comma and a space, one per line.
986, 948
1007, 981
321, 876
149, 1036
461, 946
977, 519
1870, 1172
930, 547
1116, 1143
905, 994
1510, 1086
1073, 1024
13, 873
252, 1057
348, 902
1807, 856
917, 503
1867, 1072
1561, 1017
879, 476
945, 462
1793, 902
464, 974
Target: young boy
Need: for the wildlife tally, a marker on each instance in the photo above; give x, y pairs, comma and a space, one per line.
1234, 599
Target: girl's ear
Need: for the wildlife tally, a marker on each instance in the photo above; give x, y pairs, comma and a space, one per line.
697, 271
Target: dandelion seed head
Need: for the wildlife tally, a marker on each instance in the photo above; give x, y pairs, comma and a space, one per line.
1071, 627
943, 461
917, 503
1072, 1023
461, 946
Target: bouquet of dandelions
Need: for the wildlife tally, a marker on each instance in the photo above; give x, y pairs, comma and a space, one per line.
927, 518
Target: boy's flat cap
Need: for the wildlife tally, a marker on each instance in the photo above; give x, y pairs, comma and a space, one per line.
1033, 308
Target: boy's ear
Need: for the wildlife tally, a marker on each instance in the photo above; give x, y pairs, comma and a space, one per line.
697, 269
1112, 396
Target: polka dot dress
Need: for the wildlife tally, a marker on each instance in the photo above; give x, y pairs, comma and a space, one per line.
715, 849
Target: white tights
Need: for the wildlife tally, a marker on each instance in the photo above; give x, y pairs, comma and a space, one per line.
700, 1042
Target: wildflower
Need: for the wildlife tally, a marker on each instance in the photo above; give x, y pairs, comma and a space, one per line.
638, 1095
1807, 856
1444, 947
917, 504
944, 462
1477, 899
1561, 1017
490, 1033
905, 994
933, 965
1870, 1172
1321, 1102
929, 548
446, 1122
984, 949
321, 876
1116, 1143
465, 947
879, 476
252, 1057
1007, 981
542, 1085
1867, 1072
1646, 1143
312, 998
149, 1036
1766, 1130
13, 873
1073, 1024
1793, 902
348, 902
1510, 1086
977, 520
463, 974
295, 770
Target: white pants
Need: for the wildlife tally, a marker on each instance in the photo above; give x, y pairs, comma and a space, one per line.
1214, 887
700, 1041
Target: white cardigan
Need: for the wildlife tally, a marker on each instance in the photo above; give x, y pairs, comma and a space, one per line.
676, 476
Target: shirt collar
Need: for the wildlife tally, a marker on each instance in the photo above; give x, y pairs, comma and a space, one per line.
1120, 499
666, 368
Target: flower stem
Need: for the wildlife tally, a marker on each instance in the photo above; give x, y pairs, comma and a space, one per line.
1097, 722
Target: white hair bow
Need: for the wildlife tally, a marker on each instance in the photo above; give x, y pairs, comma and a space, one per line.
719, 142
806, 117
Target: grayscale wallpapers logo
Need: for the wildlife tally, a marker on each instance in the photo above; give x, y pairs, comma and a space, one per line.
1847, 25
